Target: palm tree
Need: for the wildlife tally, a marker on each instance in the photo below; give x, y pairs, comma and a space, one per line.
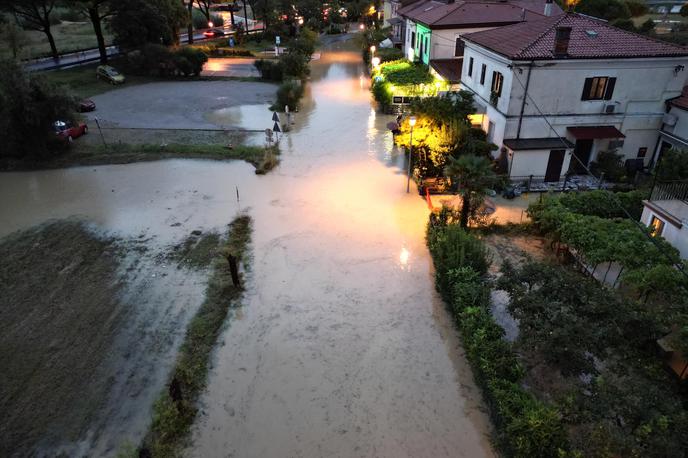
474, 176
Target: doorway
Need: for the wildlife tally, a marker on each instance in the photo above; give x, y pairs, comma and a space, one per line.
556, 160
581, 157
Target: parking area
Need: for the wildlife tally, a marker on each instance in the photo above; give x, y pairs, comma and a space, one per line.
212, 105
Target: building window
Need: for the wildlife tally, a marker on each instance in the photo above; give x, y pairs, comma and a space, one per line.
598, 88
483, 70
458, 47
656, 226
490, 132
497, 83
642, 152
470, 67
413, 39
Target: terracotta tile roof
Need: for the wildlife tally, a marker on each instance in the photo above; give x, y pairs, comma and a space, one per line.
437, 15
590, 39
681, 101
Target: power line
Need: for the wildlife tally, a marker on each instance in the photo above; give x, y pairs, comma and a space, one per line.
615, 199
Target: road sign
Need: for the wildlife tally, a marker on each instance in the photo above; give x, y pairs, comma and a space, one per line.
275, 117
276, 128
277, 40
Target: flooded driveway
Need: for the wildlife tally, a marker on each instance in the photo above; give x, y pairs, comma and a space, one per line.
342, 348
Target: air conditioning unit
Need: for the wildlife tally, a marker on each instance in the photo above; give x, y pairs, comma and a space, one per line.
670, 119
616, 144
609, 108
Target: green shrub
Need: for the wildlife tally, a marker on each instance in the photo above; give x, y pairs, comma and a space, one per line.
295, 64
271, 70
389, 54
605, 204
451, 248
196, 58
29, 106
609, 163
154, 59
382, 93
288, 94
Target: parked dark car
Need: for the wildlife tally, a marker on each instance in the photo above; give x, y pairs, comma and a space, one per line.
68, 132
87, 105
213, 33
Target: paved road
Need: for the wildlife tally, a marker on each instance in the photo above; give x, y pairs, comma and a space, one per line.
87, 56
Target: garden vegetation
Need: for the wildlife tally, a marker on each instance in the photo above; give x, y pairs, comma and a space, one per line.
583, 377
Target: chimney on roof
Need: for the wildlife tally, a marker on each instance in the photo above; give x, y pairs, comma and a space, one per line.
561, 41
548, 8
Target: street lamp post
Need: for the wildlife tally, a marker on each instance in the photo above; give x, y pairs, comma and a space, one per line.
412, 122
189, 30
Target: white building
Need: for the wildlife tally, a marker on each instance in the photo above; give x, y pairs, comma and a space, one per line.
433, 28
392, 19
674, 130
666, 214
570, 86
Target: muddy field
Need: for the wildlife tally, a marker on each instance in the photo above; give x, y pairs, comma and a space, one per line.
89, 334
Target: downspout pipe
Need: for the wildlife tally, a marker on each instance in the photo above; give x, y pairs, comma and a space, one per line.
525, 96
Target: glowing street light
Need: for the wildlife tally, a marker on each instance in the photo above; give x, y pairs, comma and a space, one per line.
362, 27
376, 62
372, 49
210, 24
412, 122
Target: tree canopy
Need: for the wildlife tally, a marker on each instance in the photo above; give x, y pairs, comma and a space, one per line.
137, 22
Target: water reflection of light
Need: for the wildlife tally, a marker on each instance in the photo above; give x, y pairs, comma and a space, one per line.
404, 257
372, 133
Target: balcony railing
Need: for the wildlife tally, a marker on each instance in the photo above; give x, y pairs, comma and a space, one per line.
670, 191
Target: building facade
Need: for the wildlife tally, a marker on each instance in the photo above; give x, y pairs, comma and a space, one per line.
433, 28
557, 91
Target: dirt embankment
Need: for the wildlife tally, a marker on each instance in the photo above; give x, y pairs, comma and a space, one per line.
59, 315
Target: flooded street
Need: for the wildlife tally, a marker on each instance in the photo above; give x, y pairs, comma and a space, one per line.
342, 347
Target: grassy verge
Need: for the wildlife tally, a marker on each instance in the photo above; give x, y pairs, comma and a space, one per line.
82, 81
175, 409
264, 159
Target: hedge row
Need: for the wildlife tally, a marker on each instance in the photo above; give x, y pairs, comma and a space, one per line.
158, 60
526, 427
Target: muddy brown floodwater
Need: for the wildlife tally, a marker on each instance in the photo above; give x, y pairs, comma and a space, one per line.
342, 347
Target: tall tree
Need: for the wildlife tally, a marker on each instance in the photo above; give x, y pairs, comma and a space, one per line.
204, 6
474, 176
97, 11
137, 22
35, 14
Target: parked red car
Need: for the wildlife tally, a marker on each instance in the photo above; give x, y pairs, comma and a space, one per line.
68, 132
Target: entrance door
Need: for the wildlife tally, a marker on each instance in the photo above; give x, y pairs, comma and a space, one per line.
556, 160
581, 156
